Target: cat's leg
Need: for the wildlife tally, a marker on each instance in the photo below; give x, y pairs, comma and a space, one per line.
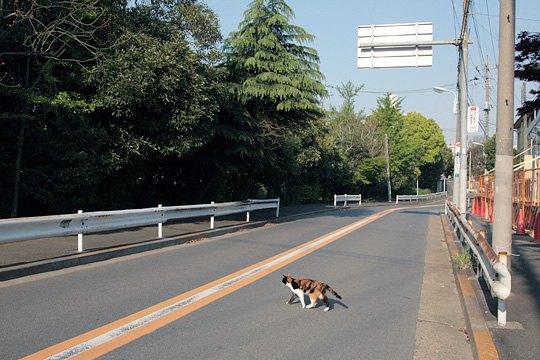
313, 298
291, 299
301, 297
325, 301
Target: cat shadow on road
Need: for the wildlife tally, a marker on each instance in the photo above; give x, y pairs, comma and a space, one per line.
331, 301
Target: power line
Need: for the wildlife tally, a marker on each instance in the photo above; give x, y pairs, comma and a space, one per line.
518, 18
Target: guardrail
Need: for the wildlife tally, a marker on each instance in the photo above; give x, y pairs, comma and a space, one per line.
93, 222
345, 198
492, 266
420, 197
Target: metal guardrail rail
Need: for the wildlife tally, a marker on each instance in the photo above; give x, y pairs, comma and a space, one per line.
420, 197
93, 222
346, 198
493, 266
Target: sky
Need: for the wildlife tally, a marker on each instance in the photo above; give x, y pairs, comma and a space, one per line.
335, 24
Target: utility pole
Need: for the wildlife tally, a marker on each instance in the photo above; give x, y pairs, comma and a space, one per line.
502, 226
387, 154
486, 104
462, 80
502, 211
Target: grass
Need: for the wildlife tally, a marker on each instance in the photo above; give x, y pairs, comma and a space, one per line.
463, 260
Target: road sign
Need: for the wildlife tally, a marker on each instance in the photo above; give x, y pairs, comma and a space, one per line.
473, 116
395, 45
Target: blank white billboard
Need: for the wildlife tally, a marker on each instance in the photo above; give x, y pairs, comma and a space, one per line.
408, 45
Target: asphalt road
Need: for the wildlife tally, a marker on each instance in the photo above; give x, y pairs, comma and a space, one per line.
377, 269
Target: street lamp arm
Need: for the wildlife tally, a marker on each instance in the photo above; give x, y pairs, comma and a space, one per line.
440, 90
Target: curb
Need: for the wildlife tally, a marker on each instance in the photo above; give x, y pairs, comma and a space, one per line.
92, 256
481, 339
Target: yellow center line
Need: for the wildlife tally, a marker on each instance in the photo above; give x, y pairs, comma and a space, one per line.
106, 338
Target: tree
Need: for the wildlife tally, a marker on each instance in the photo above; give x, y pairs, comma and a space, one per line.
388, 121
426, 139
159, 89
528, 66
119, 132
490, 147
277, 80
274, 75
346, 125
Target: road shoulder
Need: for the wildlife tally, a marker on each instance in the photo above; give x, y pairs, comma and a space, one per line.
441, 328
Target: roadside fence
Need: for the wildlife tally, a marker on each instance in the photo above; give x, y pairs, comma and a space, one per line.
92, 222
346, 198
420, 197
491, 266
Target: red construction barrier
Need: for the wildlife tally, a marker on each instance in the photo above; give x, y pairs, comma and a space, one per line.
520, 229
482, 212
537, 228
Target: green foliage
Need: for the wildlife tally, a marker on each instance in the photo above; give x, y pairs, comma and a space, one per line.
490, 151
427, 143
528, 66
463, 260
116, 104
273, 74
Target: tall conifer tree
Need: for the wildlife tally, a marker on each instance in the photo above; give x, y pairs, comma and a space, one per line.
273, 74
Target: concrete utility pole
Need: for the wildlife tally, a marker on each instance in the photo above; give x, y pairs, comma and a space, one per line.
462, 81
388, 178
462, 205
486, 104
502, 211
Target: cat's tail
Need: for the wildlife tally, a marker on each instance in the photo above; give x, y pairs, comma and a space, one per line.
333, 292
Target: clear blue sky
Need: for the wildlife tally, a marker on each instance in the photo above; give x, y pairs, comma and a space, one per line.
334, 23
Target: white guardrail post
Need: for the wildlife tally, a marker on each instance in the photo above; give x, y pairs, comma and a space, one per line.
80, 247
501, 304
160, 227
212, 218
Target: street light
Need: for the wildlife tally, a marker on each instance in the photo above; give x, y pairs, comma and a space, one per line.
456, 183
440, 90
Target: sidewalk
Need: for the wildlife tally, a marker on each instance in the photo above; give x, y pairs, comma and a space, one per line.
520, 339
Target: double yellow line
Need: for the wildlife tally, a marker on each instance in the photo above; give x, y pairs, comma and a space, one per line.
105, 339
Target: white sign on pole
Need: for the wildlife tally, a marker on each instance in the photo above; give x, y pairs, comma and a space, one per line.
408, 45
473, 119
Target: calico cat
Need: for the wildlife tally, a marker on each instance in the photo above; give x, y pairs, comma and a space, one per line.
313, 288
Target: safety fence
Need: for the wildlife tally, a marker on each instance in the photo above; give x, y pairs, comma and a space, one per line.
525, 200
347, 198
492, 266
420, 197
94, 222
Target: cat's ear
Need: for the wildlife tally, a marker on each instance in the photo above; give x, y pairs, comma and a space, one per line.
289, 274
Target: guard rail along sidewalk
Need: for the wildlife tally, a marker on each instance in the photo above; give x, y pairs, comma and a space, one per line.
93, 222
491, 266
345, 198
420, 197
